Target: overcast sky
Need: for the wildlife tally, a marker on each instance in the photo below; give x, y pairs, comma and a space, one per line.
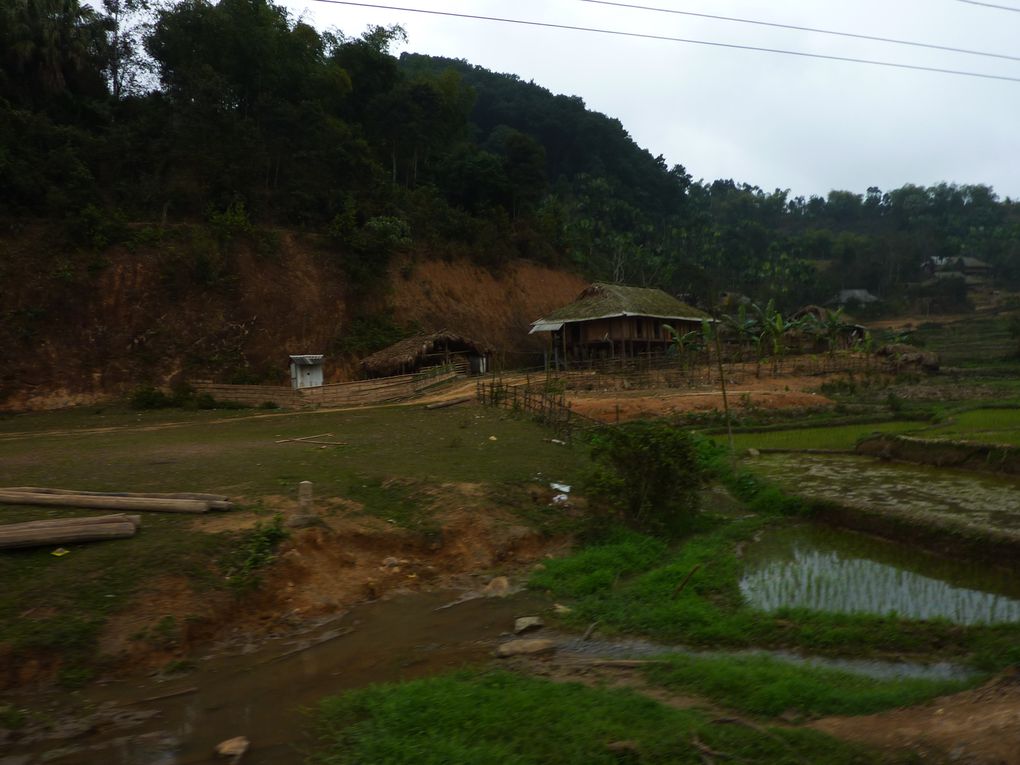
776, 121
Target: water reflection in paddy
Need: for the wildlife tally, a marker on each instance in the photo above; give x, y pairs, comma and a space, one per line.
843, 572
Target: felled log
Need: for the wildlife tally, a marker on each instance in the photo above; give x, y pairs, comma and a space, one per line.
53, 523
151, 494
149, 504
64, 535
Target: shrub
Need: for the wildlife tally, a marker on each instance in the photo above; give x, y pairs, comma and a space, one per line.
255, 550
648, 474
150, 398
229, 223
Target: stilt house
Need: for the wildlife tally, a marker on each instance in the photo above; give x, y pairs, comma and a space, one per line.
614, 321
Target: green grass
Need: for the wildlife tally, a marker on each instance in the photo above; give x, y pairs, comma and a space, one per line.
60, 603
764, 686
238, 454
710, 610
498, 718
984, 425
987, 424
975, 340
839, 437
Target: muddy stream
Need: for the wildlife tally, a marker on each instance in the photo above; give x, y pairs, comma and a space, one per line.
262, 692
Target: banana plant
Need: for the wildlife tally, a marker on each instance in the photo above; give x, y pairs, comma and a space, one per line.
748, 332
776, 328
687, 344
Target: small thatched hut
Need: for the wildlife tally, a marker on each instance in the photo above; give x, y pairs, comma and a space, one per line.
413, 353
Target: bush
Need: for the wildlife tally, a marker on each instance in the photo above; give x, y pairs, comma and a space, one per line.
183, 396
252, 552
150, 398
648, 474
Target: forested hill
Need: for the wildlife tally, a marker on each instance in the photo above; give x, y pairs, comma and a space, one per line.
581, 146
238, 117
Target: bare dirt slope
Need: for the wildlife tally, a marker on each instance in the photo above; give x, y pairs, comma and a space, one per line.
84, 325
496, 309
978, 727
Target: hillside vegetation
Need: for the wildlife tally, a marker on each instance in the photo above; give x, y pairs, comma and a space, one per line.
190, 147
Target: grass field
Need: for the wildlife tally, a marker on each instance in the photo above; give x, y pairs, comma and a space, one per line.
760, 685
499, 718
984, 424
239, 454
61, 604
838, 437
975, 341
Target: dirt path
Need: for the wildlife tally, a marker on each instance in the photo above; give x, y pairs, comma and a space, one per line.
978, 727
766, 393
770, 393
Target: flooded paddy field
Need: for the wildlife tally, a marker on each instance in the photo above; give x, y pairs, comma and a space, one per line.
819, 568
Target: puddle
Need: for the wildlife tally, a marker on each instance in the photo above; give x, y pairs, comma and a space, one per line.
261, 693
826, 569
875, 668
985, 500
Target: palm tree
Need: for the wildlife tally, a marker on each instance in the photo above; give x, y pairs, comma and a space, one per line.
50, 46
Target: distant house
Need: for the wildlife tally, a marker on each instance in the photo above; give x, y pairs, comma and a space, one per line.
974, 272
614, 321
859, 296
428, 350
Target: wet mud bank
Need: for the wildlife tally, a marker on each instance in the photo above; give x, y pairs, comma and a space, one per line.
985, 545
261, 691
961, 455
950, 512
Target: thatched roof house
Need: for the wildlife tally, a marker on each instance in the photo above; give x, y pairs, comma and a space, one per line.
413, 353
607, 301
614, 320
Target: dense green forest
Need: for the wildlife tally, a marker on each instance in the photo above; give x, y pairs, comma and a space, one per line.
237, 115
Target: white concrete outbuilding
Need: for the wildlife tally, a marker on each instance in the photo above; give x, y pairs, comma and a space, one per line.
306, 371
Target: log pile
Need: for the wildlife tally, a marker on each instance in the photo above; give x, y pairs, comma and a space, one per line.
149, 502
62, 531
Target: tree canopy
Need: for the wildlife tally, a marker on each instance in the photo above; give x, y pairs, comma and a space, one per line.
197, 108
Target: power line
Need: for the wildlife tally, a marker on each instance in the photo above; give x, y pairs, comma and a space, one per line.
992, 5
775, 25
665, 38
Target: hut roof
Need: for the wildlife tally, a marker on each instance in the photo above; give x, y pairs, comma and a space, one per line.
411, 351
819, 312
603, 301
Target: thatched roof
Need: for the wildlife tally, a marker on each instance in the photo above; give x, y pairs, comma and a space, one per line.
603, 301
820, 313
411, 352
